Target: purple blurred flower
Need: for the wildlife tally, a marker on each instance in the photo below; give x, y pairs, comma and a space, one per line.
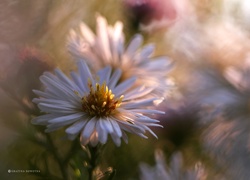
161, 13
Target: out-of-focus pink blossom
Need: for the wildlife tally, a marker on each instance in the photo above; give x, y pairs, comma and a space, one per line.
152, 14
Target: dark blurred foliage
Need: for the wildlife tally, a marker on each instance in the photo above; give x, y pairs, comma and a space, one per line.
180, 125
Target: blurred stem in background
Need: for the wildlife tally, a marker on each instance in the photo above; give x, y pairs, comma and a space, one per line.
93, 163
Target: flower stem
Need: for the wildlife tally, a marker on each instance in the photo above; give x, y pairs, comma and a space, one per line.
94, 153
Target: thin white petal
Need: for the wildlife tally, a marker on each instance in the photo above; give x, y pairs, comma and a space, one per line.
79, 81
65, 79
125, 137
134, 45
147, 111
42, 94
87, 33
147, 128
102, 36
114, 78
56, 126
116, 127
138, 92
139, 103
104, 74
124, 86
55, 86
106, 124
76, 127
50, 108
84, 72
89, 128
147, 51
102, 133
66, 118
43, 120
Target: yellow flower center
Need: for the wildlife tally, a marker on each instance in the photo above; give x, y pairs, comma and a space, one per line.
100, 101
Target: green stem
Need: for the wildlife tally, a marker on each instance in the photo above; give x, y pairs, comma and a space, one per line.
94, 153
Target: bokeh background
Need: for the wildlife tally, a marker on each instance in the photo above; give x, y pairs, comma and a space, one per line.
207, 109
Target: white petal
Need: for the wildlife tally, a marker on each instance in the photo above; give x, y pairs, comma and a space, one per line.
147, 51
43, 120
58, 88
151, 132
106, 124
114, 78
134, 45
117, 42
50, 108
102, 133
56, 102
104, 74
79, 82
124, 86
136, 93
102, 35
89, 128
84, 72
151, 124
66, 118
138, 103
53, 127
125, 137
43, 94
116, 127
147, 111
147, 120
130, 127
117, 35
88, 35
65, 79
76, 127
157, 64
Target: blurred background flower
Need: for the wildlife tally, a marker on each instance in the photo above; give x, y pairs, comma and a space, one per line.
107, 47
175, 170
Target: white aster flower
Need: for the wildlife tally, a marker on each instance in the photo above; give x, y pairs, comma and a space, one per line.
228, 92
175, 170
94, 106
107, 47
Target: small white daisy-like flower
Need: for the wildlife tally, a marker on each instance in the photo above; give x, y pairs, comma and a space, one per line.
95, 106
107, 47
174, 171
